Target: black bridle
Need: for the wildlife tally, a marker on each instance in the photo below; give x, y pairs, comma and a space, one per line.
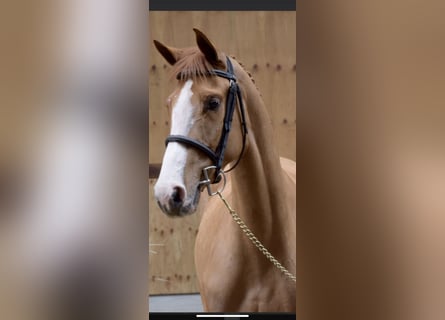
217, 156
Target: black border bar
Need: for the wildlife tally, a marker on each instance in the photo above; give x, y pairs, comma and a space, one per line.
192, 316
222, 5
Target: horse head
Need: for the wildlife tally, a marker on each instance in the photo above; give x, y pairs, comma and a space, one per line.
202, 115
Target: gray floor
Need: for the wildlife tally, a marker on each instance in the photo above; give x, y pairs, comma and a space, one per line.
175, 303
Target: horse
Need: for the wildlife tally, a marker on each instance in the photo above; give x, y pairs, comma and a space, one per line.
233, 275
73, 211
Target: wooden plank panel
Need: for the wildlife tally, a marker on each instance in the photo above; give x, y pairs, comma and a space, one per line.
264, 42
171, 262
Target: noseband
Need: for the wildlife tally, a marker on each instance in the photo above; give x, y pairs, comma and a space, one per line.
217, 156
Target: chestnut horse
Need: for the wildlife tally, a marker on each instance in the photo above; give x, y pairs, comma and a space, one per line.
233, 275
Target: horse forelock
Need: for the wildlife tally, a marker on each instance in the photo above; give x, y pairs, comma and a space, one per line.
192, 65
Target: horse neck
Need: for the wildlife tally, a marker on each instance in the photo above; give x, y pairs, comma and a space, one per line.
257, 183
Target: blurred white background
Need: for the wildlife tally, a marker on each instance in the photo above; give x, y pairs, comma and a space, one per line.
73, 160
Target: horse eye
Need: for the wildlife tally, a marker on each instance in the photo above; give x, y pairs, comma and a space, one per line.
213, 103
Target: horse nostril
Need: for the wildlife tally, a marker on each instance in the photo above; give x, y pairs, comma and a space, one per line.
177, 197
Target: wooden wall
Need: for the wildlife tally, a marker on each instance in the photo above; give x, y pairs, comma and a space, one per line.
265, 43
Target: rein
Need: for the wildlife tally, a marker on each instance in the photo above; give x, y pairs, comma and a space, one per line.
217, 158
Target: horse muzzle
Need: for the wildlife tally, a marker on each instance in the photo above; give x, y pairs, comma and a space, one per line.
174, 201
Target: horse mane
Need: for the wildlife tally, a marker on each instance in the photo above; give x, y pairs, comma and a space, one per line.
245, 70
248, 73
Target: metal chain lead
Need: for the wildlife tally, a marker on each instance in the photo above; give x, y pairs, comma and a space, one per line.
255, 240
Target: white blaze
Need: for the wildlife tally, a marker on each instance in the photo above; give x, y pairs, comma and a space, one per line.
175, 157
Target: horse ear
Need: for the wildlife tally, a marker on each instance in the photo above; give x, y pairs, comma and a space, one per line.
170, 54
207, 48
